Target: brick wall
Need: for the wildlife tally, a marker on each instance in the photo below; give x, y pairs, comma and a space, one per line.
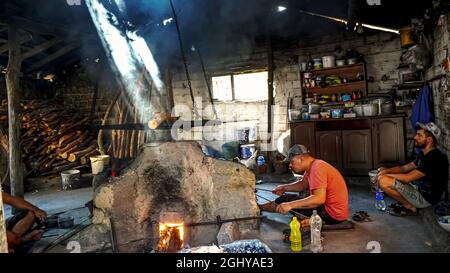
382, 53
441, 103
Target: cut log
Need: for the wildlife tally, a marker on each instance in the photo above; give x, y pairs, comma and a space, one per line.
77, 155
86, 158
68, 138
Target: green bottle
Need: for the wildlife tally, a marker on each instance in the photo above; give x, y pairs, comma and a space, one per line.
296, 235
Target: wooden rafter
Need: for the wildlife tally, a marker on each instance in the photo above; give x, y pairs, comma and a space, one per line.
23, 39
40, 48
64, 50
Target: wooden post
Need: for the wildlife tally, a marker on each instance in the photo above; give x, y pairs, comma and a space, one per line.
14, 120
270, 68
3, 241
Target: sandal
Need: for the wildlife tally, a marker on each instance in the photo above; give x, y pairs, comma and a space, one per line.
395, 205
361, 216
402, 211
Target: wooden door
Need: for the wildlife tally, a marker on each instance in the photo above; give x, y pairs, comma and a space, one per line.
357, 150
329, 147
304, 133
388, 138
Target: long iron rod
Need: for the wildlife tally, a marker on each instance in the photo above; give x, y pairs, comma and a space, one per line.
301, 216
183, 55
207, 83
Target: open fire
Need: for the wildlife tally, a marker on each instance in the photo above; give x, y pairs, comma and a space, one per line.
171, 237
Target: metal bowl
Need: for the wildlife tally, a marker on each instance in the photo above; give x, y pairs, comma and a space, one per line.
370, 110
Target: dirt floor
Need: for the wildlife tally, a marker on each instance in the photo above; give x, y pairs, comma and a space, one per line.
390, 233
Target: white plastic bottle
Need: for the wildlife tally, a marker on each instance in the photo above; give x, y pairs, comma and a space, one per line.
316, 227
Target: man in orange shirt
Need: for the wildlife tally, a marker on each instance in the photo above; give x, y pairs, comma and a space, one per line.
327, 188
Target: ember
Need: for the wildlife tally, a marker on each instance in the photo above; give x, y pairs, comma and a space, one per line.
170, 237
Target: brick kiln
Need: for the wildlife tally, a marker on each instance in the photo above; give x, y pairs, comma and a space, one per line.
161, 199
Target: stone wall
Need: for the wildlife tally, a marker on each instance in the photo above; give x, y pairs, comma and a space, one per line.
441, 96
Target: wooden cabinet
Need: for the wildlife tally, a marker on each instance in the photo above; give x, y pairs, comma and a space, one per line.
388, 142
354, 146
329, 147
357, 147
304, 133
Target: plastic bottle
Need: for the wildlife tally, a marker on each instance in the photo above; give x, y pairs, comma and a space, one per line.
260, 160
380, 204
296, 235
316, 227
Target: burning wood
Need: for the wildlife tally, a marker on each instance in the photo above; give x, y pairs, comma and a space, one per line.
170, 237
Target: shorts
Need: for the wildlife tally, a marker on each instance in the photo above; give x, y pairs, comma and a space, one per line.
308, 212
411, 193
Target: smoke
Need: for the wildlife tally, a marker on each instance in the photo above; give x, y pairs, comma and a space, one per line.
128, 52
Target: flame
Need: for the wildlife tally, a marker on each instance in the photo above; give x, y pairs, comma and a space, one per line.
167, 231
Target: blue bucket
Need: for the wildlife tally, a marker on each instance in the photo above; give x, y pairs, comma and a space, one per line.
247, 150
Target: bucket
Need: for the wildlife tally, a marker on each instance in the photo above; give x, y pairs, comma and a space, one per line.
69, 178
373, 180
98, 163
230, 150
247, 151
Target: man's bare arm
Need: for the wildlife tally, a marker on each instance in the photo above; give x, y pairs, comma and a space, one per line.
298, 186
316, 199
20, 203
408, 177
399, 169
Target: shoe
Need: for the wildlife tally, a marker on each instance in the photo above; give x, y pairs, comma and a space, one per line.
402, 211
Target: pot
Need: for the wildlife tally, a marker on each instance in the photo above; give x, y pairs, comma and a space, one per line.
370, 110
328, 61
340, 62
358, 110
307, 75
352, 61
388, 108
318, 63
303, 66
314, 108
405, 37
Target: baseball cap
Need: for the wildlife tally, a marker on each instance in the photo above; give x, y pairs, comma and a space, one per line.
430, 127
297, 149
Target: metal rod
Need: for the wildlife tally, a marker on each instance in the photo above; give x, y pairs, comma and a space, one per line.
291, 211
263, 190
220, 221
207, 83
183, 55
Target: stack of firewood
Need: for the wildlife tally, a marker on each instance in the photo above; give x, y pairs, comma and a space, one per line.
53, 138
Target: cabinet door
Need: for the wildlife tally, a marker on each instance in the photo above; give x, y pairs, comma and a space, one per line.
329, 147
388, 142
357, 150
304, 133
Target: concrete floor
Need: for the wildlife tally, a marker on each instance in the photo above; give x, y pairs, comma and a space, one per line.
63, 203
394, 234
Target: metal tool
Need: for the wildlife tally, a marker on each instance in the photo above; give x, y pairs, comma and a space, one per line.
220, 221
301, 216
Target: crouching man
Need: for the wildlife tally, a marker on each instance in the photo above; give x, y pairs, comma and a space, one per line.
421, 183
328, 192
19, 227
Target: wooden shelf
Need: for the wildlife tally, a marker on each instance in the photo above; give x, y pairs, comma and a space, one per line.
338, 88
332, 69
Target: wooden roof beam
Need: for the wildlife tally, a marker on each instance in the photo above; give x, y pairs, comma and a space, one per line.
63, 51
23, 39
40, 48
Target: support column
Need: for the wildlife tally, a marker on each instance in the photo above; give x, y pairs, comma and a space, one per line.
14, 116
